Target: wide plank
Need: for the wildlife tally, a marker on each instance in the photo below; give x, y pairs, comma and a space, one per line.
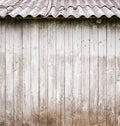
85, 73
18, 74
34, 72
111, 73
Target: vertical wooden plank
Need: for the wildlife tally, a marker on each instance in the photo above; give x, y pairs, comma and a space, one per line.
52, 73
76, 25
60, 75
110, 74
18, 71
117, 74
34, 39
102, 75
26, 73
68, 74
43, 74
2, 72
85, 73
9, 74
94, 84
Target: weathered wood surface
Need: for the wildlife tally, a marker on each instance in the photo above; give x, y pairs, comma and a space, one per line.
59, 73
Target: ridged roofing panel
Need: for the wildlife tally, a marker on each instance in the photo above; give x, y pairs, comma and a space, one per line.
55, 8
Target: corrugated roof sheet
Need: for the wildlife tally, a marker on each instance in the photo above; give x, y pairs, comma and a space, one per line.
56, 8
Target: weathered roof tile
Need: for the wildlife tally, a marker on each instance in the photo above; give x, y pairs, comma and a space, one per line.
55, 8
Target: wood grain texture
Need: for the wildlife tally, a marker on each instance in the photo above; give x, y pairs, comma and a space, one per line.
27, 74
77, 90
111, 40
94, 75
85, 72
117, 59
52, 86
102, 95
68, 75
9, 74
59, 73
34, 40
18, 74
43, 74
2, 73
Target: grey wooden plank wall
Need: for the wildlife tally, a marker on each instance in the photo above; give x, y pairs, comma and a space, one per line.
59, 73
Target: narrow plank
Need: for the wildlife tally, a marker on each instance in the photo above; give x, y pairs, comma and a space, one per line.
9, 74
94, 77
43, 73
26, 73
52, 118
18, 74
68, 75
102, 75
85, 73
77, 73
60, 75
34, 39
2, 73
111, 74
117, 102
